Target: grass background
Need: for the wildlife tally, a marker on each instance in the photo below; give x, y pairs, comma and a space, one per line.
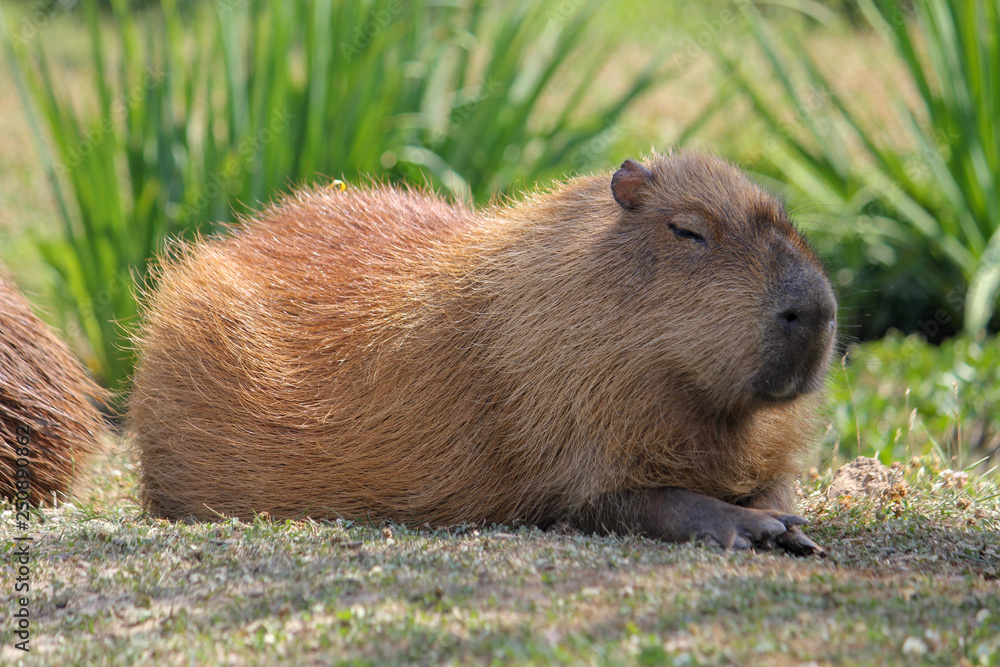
910, 580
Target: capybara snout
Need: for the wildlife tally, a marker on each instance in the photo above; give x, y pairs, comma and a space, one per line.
800, 336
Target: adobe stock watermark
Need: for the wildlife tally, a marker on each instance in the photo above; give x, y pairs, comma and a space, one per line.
558, 15
119, 108
363, 35
35, 21
21, 551
929, 328
227, 179
596, 147
223, 7
694, 46
918, 166
87, 317
813, 99
464, 111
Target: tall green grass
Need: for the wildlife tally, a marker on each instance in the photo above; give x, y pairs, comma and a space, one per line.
929, 218
204, 111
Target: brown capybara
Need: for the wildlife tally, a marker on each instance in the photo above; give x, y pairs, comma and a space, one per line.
636, 353
49, 425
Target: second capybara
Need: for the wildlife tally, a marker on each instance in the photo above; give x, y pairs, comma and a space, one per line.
49, 423
637, 352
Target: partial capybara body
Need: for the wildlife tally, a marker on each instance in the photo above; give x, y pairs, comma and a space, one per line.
49, 427
635, 353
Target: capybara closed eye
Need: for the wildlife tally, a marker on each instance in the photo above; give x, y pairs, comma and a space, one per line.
630, 352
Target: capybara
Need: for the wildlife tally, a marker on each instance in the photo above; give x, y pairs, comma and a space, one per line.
50, 426
633, 353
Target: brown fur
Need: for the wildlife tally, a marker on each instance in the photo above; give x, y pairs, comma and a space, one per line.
44, 400
381, 353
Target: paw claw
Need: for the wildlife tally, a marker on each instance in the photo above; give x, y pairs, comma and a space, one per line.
770, 528
741, 543
796, 542
791, 520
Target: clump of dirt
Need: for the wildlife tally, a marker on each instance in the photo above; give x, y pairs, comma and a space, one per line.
866, 478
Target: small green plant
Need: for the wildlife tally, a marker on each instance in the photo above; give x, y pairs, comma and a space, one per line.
901, 397
929, 220
202, 113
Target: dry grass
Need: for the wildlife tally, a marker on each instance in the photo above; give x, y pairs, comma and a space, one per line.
914, 579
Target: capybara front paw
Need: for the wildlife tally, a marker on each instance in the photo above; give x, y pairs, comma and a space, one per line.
741, 528
774, 529
744, 528
679, 515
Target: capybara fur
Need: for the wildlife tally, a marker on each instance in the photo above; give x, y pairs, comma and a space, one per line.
638, 352
50, 426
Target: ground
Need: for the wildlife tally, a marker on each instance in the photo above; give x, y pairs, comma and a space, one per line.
911, 576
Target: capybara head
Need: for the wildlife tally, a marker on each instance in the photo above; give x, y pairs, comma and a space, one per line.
744, 309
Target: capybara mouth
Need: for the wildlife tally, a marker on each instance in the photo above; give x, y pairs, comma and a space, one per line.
783, 392
796, 367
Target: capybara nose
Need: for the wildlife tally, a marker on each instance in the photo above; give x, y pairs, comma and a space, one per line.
801, 335
806, 319
789, 321
808, 309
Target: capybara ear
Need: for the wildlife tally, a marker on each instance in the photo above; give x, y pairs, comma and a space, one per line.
628, 183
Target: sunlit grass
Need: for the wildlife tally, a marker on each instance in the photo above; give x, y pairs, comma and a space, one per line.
111, 585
